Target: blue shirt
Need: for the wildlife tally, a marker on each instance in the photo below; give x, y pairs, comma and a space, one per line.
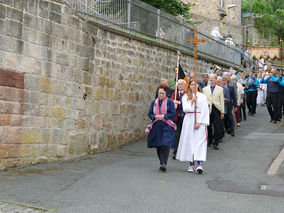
252, 84
212, 89
282, 82
273, 84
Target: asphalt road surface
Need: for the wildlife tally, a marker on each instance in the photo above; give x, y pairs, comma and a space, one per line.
128, 180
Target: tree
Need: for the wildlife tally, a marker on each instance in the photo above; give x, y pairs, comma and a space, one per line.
174, 7
269, 16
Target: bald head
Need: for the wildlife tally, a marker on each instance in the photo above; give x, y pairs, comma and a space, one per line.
219, 81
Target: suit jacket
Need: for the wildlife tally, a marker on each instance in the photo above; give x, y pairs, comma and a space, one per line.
217, 98
231, 98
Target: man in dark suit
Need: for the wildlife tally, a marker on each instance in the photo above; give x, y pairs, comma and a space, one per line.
230, 101
165, 83
177, 99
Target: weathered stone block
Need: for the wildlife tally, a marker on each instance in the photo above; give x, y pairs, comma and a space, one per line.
5, 120
36, 37
45, 85
24, 150
32, 97
11, 107
55, 17
45, 136
11, 94
2, 11
59, 136
16, 120
61, 150
31, 135
32, 83
55, 7
62, 58
33, 6
12, 135
15, 14
72, 21
13, 28
11, 79
68, 124
2, 27
9, 150
43, 4
58, 30
78, 144
83, 63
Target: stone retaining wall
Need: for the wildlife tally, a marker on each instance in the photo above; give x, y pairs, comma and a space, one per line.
69, 87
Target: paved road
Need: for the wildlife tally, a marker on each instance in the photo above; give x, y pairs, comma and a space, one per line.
128, 180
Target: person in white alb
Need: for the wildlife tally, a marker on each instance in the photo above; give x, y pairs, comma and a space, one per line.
193, 139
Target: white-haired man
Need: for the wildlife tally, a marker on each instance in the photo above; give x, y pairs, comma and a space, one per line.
215, 98
177, 98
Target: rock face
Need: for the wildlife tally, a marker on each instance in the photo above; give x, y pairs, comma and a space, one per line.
69, 87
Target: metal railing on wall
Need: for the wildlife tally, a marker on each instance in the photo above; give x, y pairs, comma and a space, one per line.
143, 20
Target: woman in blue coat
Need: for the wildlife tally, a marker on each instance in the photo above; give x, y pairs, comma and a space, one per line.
162, 130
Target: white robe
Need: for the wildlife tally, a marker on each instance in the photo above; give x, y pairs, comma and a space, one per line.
261, 94
193, 142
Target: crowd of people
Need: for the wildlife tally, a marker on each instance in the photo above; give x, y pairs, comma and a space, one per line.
197, 114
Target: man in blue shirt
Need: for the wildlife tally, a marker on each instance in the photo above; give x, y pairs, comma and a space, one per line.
251, 83
281, 95
273, 89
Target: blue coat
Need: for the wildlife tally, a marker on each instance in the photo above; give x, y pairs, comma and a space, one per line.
162, 134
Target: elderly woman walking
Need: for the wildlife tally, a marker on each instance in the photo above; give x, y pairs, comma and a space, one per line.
162, 129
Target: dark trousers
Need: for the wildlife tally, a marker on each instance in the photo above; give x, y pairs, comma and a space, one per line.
243, 115
251, 101
163, 154
280, 104
177, 133
215, 127
223, 127
229, 124
272, 105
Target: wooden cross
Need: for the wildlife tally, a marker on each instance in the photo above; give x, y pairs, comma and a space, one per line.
195, 41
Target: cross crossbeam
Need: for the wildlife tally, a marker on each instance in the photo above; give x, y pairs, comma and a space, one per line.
195, 42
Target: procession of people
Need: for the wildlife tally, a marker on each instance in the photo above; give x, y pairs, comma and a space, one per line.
196, 115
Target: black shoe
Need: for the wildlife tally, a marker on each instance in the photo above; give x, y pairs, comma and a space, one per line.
216, 147
174, 157
229, 132
209, 144
233, 133
275, 121
245, 118
252, 114
163, 168
271, 120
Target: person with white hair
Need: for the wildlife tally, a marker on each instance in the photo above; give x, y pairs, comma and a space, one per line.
240, 99
215, 98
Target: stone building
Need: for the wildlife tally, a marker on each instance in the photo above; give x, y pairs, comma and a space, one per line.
214, 13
